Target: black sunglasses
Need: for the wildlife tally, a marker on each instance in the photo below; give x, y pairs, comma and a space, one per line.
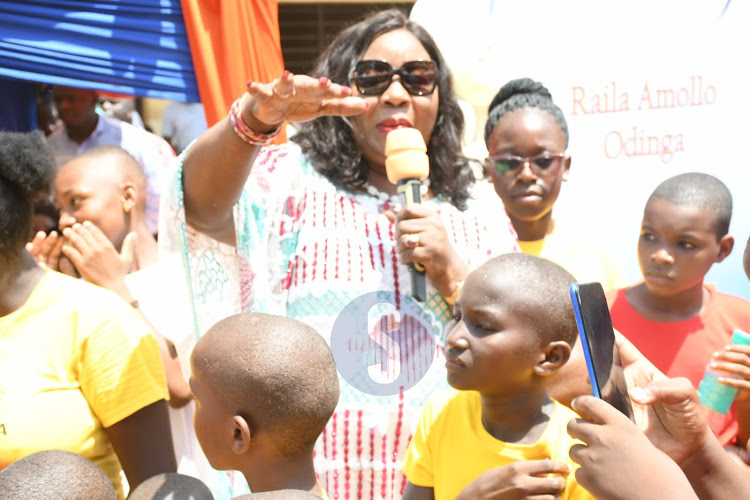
372, 77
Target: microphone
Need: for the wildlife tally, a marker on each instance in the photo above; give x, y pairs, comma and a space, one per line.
407, 165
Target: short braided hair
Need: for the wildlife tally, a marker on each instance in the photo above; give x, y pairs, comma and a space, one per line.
523, 93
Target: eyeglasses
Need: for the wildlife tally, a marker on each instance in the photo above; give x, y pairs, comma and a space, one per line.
543, 164
373, 77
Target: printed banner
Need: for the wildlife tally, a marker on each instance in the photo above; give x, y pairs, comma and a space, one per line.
649, 90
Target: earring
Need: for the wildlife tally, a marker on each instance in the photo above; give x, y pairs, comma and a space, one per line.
127, 205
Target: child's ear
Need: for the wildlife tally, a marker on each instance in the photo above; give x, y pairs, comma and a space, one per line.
556, 354
566, 168
726, 244
242, 435
128, 197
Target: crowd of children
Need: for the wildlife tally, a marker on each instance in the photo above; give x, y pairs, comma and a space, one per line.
504, 414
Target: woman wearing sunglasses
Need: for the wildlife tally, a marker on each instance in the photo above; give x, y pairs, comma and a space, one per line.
315, 224
527, 137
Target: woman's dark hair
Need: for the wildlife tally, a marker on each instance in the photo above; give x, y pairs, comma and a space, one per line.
328, 141
25, 168
523, 93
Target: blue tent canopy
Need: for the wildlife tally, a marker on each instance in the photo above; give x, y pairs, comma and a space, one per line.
135, 47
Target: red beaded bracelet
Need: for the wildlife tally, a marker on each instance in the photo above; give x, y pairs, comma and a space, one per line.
244, 131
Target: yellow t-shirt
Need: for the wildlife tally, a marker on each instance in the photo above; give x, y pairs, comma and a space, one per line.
451, 447
74, 359
585, 260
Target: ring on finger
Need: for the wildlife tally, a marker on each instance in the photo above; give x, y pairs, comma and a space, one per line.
412, 240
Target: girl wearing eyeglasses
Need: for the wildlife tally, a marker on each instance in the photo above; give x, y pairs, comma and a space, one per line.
527, 136
305, 228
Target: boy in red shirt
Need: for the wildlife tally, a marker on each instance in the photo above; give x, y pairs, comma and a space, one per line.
679, 323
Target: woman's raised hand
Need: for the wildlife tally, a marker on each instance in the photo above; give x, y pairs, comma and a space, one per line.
216, 168
296, 98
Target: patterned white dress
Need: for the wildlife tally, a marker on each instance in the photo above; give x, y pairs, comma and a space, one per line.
305, 249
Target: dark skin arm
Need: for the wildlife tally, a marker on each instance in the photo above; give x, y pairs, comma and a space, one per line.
714, 475
211, 194
414, 492
98, 262
669, 412
740, 452
216, 167
617, 460
143, 443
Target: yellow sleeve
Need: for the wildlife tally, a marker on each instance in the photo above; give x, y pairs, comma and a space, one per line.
578, 492
418, 461
563, 415
120, 370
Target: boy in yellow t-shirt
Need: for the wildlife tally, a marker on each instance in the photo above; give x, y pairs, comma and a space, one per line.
499, 430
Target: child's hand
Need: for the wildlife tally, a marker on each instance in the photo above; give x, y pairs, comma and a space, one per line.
47, 250
740, 456
667, 410
617, 460
96, 258
519, 480
734, 360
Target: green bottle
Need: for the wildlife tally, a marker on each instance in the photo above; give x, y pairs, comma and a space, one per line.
715, 395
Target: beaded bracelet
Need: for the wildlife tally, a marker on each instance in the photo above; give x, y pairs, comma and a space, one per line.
244, 131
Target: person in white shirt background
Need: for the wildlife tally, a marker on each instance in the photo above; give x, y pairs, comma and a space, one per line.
181, 123
84, 129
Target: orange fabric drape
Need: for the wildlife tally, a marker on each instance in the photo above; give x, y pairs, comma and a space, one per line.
232, 41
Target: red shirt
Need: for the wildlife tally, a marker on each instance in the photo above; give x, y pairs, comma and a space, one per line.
684, 348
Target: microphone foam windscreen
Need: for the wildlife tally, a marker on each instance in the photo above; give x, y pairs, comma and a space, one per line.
406, 155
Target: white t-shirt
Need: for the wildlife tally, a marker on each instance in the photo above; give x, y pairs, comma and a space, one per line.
183, 122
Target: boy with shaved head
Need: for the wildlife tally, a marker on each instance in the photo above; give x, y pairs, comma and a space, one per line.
264, 387
677, 321
101, 196
171, 486
499, 433
104, 186
280, 495
84, 129
55, 474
